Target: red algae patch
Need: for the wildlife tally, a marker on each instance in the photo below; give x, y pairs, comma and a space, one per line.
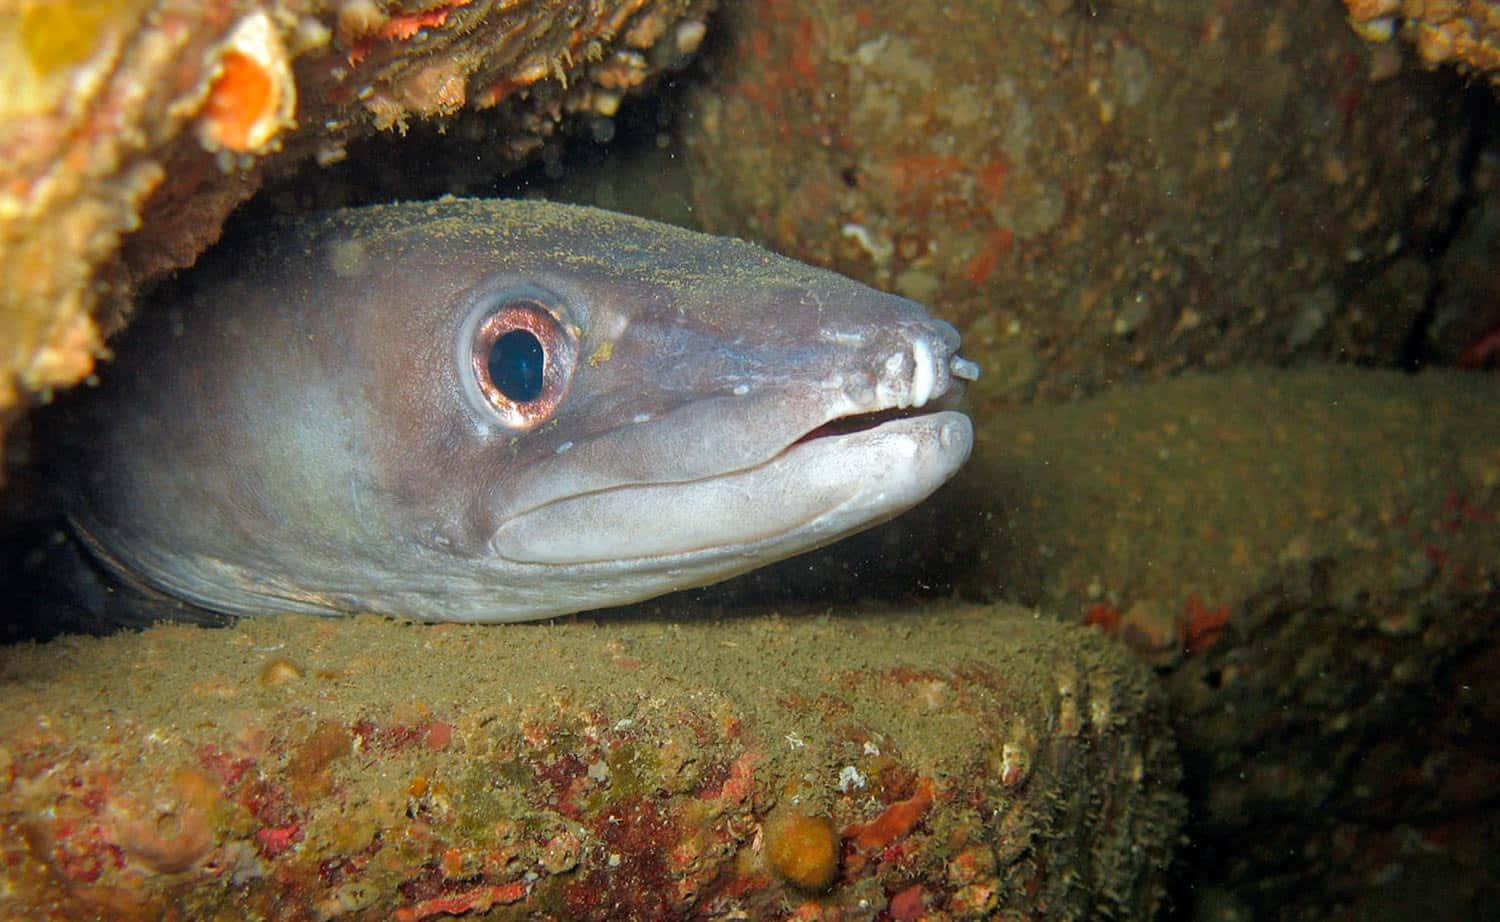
894, 822
802, 849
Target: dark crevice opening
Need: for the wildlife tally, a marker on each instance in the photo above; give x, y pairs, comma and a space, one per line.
1477, 114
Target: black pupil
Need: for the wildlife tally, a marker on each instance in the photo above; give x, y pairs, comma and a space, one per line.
516, 361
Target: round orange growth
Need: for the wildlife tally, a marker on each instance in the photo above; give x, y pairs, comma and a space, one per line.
803, 849
172, 830
242, 98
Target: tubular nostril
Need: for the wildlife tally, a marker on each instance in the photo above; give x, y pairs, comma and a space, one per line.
963, 368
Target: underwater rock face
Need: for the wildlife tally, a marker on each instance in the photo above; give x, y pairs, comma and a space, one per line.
153, 121
1094, 192
978, 762
1311, 562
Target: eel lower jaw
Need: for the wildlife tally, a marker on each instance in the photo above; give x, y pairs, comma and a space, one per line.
841, 477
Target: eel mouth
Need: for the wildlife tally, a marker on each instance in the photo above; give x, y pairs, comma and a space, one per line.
860, 422
936, 393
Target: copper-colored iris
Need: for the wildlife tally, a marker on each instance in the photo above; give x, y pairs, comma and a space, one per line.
523, 359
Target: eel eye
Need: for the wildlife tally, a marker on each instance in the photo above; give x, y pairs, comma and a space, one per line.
523, 359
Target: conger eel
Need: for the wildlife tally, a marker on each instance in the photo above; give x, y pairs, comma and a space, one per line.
501, 410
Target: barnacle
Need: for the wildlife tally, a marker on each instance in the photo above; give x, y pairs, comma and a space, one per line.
252, 96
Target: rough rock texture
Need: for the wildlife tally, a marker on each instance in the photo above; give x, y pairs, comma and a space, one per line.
1312, 560
129, 130
1341, 746
1462, 32
968, 763
1209, 484
1094, 192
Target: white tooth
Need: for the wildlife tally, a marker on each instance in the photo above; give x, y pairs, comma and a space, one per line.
860, 391
924, 376
963, 368
893, 390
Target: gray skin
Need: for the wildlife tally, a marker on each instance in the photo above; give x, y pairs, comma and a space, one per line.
301, 428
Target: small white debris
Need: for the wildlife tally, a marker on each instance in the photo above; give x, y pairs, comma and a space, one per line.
689, 35
850, 779
880, 251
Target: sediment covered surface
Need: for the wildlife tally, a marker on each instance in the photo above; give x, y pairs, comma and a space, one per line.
965, 762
